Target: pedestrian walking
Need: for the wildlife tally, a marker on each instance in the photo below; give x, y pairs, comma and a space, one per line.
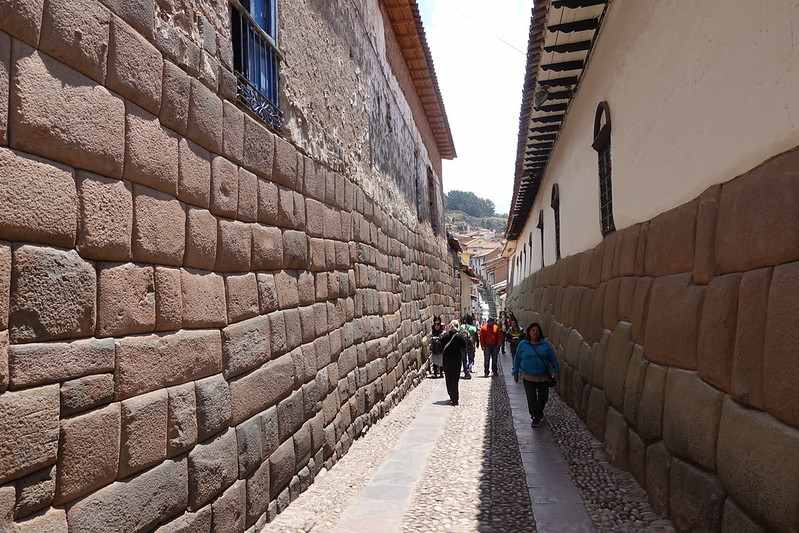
501, 325
514, 335
489, 340
469, 331
436, 347
454, 349
537, 366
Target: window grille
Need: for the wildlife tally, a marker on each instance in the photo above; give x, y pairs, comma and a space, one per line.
256, 57
540, 226
602, 146
555, 203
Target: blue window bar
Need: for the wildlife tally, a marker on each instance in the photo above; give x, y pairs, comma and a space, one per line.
256, 57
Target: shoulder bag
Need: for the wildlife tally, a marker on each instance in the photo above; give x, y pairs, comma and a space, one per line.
553, 378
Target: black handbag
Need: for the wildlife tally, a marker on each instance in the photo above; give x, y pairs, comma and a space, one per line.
553, 376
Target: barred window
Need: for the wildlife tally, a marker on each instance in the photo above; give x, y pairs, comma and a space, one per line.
602, 146
555, 203
540, 226
256, 57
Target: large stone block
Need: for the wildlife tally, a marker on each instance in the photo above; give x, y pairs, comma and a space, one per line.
194, 180
181, 419
213, 399
650, 407
262, 388
696, 498
52, 295
63, 115
199, 522
288, 295
246, 346
242, 296
23, 19
267, 248
150, 362
201, 235
35, 492
717, 331
295, 249
234, 246
765, 201
213, 467
691, 418
267, 293
105, 217
204, 302
134, 67
658, 474
49, 521
137, 504
248, 196
291, 319
616, 438
159, 228
224, 188
5, 285
5, 75
268, 203
706, 218
38, 198
88, 453
125, 299
144, 432
232, 132
259, 148
269, 438
750, 337
286, 162
596, 413
735, 520
229, 510
758, 463
290, 415
672, 324
176, 88
42, 363
640, 308
84, 393
634, 384
282, 463
204, 124
29, 440
636, 457
780, 363
620, 348
138, 13
168, 299
249, 436
257, 493
671, 241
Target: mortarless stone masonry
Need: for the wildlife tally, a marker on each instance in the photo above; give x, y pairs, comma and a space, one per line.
705, 298
197, 312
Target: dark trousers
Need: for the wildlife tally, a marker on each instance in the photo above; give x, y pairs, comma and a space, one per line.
452, 376
537, 396
490, 358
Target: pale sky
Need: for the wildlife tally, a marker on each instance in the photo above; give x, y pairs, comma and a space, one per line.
479, 51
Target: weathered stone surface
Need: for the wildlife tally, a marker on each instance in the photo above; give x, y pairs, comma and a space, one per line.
105, 217
705, 254
277, 332
232, 132
63, 115
673, 322
640, 308
257, 493
249, 436
281, 470
213, 406
259, 148
52, 295
747, 359
205, 117
597, 412
262, 388
51, 521
735, 520
268, 203
650, 407
234, 246
765, 201
38, 364
634, 384
38, 198
658, 474
199, 522
181, 419
35, 492
670, 241
5, 285
137, 504
89, 453
194, 183
780, 364
620, 349
150, 362
134, 67
269, 438
286, 159
213, 467
291, 319
5, 75
84, 393
267, 248
229, 510
201, 238
616, 438
248, 196
717, 331
242, 296
176, 88
696, 498
138, 13
306, 287
23, 19
295, 249
204, 303
168, 299
126, 299
144, 432
159, 229
267, 293
246, 345
636, 455
290, 415
758, 463
224, 187
691, 418
287, 293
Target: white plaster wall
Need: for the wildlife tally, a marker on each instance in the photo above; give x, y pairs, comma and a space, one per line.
699, 92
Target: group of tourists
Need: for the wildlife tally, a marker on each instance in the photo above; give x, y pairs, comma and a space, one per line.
534, 362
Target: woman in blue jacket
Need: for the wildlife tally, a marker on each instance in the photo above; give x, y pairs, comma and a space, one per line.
536, 364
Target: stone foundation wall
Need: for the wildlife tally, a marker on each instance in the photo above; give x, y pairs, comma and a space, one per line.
678, 343
196, 314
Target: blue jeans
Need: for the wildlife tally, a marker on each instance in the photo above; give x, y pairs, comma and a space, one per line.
490, 356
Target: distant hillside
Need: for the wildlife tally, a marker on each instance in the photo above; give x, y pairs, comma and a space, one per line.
457, 218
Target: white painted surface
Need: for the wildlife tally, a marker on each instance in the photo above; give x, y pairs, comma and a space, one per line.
699, 92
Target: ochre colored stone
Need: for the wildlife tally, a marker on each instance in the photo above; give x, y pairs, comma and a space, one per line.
246, 345
84, 393
747, 358
696, 498
213, 467
29, 440
194, 180
204, 303
201, 235
671, 240
134, 67
88, 453
105, 217
765, 201
213, 406
717, 331
691, 418
224, 188
126, 299
52, 295
672, 324
205, 117
63, 115
159, 229
144, 428
234, 246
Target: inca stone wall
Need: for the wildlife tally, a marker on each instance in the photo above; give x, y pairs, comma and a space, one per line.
196, 314
678, 342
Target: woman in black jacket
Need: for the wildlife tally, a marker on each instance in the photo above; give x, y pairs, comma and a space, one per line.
454, 350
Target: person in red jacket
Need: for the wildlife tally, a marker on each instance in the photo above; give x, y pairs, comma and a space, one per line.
489, 339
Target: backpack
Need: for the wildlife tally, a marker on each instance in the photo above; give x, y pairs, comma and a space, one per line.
436, 346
